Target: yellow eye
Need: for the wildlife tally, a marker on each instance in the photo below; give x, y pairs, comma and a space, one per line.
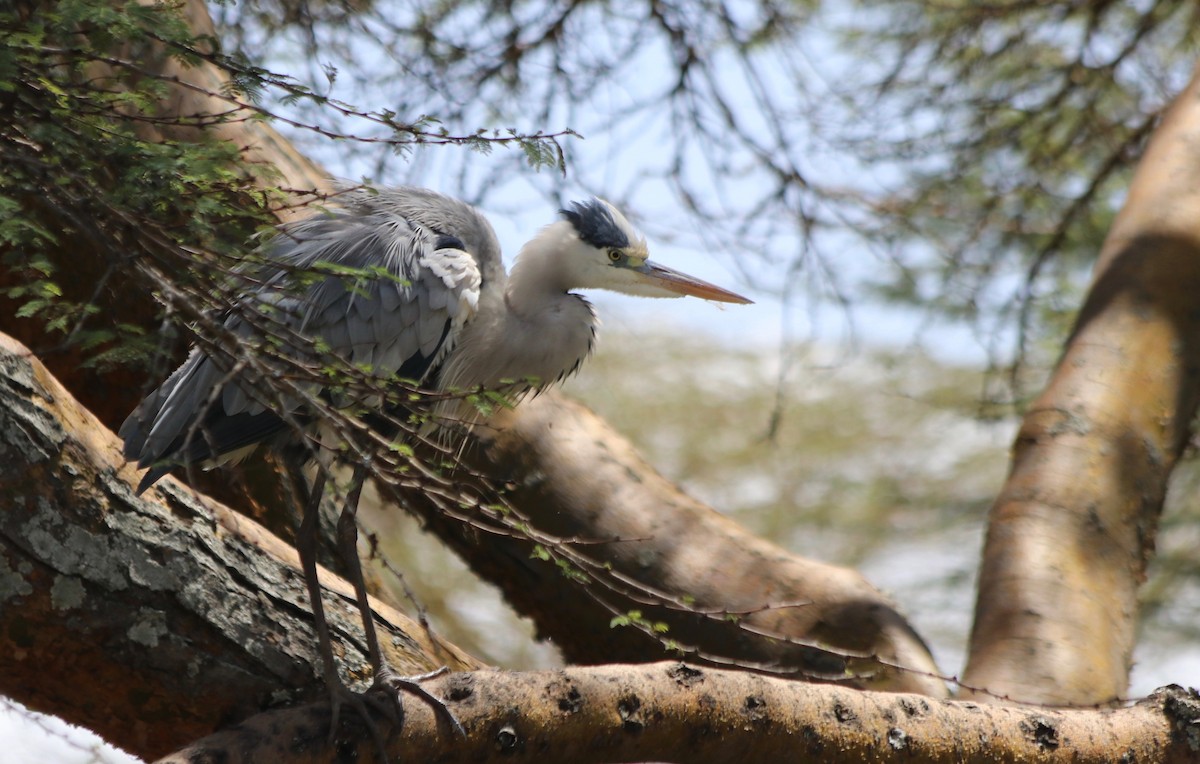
615, 255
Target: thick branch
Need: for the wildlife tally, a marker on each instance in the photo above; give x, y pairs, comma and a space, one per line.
575, 478
151, 621
674, 712
267, 154
1073, 529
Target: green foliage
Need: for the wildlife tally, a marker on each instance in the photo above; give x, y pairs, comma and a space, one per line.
635, 618
84, 169
488, 402
572, 572
565, 566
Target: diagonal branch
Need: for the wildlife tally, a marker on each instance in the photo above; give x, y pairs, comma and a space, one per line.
152, 622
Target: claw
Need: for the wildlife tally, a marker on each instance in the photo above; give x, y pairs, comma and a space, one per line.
388, 681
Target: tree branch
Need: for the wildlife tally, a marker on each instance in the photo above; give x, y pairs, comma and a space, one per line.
152, 621
675, 712
727, 596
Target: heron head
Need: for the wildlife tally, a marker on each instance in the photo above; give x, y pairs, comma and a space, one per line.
611, 254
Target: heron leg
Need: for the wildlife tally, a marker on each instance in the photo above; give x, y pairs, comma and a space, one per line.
308, 537
385, 677
347, 536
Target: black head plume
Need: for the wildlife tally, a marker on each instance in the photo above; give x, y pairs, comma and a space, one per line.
596, 224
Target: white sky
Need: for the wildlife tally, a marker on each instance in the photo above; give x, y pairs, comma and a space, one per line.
31, 738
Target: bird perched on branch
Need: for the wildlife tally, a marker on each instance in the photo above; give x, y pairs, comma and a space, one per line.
441, 312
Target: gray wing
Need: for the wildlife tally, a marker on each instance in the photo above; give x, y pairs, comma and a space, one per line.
402, 321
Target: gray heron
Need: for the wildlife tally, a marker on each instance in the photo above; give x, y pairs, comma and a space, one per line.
447, 316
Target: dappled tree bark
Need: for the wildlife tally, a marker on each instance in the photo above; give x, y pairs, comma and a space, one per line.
1073, 529
676, 712
152, 621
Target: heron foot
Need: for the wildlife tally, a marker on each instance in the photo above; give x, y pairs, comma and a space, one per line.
390, 684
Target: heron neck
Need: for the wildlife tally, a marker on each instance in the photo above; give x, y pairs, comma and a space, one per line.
541, 274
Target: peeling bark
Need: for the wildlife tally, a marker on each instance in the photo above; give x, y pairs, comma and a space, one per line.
1073, 528
675, 712
152, 621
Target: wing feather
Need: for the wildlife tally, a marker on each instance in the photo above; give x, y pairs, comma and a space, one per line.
403, 320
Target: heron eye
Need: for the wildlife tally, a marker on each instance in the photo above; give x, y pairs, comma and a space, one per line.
615, 255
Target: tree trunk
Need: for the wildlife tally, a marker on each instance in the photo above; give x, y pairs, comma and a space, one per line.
1073, 529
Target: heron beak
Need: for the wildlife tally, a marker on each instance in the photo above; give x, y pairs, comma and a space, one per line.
655, 275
